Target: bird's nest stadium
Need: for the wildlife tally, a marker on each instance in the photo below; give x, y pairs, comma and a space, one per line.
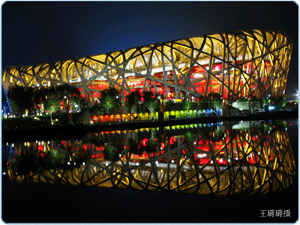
234, 64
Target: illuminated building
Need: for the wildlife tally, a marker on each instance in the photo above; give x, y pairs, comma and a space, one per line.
233, 64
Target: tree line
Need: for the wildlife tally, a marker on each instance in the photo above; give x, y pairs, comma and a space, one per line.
32, 99
110, 102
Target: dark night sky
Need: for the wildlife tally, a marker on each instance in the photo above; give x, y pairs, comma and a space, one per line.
41, 32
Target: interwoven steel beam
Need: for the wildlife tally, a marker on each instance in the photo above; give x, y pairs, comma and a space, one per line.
241, 162
233, 64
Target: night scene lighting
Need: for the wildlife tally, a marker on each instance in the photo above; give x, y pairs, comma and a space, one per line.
150, 112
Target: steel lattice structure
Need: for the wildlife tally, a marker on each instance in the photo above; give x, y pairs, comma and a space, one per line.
241, 162
233, 64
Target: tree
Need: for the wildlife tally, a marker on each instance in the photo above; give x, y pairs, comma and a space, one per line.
264, 102
151, 146
137, 100
109, 98
133, 147
189, 137
21, 98
153, 106
216, 100
130, 102
205, 103
187, 105
53, 96
67, 93
108, 103
150, 102
254, 103
278, 102
169, 106
110, 153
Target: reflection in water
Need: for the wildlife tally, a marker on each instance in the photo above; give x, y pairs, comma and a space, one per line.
248, 157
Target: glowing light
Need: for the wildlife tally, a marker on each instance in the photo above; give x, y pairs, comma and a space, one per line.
201, 155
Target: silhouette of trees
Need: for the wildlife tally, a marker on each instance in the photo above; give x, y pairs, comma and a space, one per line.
21, 98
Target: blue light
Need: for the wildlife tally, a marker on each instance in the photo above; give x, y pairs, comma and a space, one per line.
271, 108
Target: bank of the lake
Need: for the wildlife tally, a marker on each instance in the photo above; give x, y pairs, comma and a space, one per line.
45, 132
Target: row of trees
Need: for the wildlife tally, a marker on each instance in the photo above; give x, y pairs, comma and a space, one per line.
32, 99
110, 100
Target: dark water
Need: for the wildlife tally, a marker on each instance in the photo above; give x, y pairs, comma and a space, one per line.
227, 195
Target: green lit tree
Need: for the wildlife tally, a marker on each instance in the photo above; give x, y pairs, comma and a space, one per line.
110, 99
51, 105
187, 105
53, 96
110, 153
216, 100
150, 102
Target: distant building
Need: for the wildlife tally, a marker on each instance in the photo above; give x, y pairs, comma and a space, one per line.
233, 64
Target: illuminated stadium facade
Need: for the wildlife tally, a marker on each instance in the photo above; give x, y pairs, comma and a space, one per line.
233, 64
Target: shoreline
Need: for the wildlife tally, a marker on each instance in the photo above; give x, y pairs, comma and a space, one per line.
73, 131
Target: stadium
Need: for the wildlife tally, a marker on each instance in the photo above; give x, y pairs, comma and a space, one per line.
233, 64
